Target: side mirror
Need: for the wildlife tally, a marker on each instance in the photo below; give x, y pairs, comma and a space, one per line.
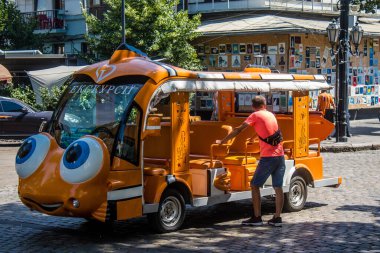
24, 110
153, 127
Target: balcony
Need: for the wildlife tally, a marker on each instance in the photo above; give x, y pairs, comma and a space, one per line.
49, 21
208, 6
97, 11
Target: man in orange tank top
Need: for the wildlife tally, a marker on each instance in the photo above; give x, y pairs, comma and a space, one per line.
325, 101
272, 162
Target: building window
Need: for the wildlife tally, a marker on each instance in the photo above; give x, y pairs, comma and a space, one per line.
96, 2
58, 48
84, 48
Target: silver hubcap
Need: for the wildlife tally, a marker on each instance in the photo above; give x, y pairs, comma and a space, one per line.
297, 193
170, 211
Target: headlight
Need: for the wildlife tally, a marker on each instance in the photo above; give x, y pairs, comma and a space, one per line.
81, 161
31, 154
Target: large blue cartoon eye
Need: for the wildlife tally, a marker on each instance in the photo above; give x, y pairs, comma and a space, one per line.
81, 161
31, 154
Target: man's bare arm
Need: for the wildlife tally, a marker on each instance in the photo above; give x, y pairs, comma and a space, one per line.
234, 133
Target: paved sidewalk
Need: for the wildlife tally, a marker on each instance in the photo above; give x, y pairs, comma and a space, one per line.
365, 136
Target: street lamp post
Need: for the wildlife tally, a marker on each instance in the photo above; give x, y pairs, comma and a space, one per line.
334, 31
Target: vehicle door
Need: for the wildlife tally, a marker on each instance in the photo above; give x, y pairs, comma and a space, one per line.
14, 122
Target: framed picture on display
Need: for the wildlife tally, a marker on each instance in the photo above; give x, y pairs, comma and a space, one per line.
264, 48
228, 48
249, 48
235, 48
242, 48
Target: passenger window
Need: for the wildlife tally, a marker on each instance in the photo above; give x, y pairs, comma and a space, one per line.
11, 107
128, 147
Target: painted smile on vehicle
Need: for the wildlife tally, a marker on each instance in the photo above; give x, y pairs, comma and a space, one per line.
46, 207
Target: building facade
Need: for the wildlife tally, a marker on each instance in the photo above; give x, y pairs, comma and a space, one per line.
62, 22
289, 36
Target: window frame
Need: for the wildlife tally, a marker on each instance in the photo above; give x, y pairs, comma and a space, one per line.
124, 122
12, 102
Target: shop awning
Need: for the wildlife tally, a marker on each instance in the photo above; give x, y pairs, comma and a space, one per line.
269, 23
4, 74
49, 78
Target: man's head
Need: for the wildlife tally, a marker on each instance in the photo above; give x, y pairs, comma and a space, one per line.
258, 102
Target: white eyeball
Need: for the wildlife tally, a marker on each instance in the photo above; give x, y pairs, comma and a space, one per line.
31, 154
82, 160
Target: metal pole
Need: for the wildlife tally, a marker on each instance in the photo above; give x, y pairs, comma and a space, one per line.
336, 97
123, 20
343, 66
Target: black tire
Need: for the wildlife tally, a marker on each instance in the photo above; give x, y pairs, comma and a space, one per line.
171, 212
295, 199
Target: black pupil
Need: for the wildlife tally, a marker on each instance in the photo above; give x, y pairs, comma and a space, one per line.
24, 149
73, 153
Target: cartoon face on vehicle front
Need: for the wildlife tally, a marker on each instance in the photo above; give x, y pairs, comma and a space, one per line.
64, 182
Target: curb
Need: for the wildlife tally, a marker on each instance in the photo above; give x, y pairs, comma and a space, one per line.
347, 147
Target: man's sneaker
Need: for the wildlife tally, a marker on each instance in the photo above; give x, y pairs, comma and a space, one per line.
253, 221
275, 221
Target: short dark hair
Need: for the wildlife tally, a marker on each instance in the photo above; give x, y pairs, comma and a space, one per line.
258, 101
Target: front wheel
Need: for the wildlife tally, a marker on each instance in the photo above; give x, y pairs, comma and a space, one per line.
295, 199
171, 212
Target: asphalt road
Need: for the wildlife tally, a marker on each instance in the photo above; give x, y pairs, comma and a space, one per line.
345, 219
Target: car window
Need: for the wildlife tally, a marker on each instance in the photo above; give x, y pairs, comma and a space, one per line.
1, 107
11, 107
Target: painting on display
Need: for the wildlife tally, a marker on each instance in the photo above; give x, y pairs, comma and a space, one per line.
212, 60
264, 48
222, 48
249, 49
235, 48
236, 61
223, 61
282, 61
281, 48
270, 60
272, 50
214, 50
228, 48
242, 48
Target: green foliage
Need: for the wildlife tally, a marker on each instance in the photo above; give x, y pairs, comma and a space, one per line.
26, 95
153, 26
16, 31
50, 99
368, 6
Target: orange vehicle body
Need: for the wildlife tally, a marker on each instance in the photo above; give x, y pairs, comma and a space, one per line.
177, 150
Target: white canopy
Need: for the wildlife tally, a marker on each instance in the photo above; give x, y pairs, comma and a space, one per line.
49, 78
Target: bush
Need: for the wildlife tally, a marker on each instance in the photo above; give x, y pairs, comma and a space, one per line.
51, 99
26, 95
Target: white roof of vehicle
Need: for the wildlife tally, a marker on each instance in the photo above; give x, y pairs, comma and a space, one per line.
243, 85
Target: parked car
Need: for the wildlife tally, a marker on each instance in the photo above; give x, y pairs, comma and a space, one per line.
18, 119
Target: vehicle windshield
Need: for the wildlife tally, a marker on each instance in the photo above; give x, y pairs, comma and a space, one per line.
91, 109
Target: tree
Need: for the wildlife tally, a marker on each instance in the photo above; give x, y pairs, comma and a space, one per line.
368, 6
153, 26
16, 32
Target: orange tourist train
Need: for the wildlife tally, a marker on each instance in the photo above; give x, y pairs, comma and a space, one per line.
124, 142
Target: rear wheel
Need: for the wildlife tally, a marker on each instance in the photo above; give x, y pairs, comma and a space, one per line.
295, 199
171, 212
